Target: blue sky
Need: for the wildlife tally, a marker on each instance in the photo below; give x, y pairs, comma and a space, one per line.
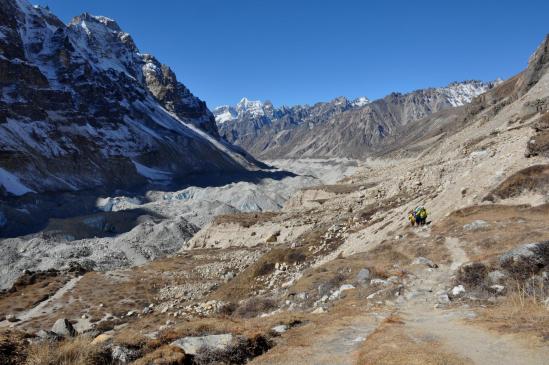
304, 51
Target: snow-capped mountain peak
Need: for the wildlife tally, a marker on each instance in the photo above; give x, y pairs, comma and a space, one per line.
360, 101
252, 107
225, 113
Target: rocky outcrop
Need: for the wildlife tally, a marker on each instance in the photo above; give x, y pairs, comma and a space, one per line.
81, 107
526, 260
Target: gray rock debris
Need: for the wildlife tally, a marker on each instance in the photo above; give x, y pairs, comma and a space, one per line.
48, 335
123, 355
496, 277
192, 345
424, 261
476, 225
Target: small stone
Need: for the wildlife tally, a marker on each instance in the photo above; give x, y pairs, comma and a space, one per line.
498, 289
11, 318
424, 261
443, 298
280, 328
379, 282
319, 310
130, 313
458, 290
346, 287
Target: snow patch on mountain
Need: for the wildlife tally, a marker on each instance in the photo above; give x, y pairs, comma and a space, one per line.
153, 174
461, 93
225, 113
11, 183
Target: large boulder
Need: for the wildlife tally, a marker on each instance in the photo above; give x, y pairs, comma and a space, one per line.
192, 345
63, 328
526, 260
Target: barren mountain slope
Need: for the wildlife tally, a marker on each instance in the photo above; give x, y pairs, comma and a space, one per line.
82, 108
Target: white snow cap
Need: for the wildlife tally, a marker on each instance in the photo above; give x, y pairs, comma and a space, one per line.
361, 101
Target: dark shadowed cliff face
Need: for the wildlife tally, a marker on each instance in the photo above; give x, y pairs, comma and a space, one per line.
339, 128
81, 107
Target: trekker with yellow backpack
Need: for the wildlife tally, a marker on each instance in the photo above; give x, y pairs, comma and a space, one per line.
412, 218
421, 215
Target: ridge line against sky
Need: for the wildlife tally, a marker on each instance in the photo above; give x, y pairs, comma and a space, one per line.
303, 52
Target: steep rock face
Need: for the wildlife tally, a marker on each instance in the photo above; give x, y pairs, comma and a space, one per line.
80, 107
339, 128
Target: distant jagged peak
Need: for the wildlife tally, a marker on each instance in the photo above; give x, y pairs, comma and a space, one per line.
106, 21
253, 107
463, 92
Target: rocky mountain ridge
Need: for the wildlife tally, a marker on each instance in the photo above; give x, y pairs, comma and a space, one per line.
322, 129
82, 108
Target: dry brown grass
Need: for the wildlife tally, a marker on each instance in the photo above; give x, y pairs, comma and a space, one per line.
531, 179
508, 227
13, 347
30, 290
245, 220
390, 345
165, 355
70, 352
519, 312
